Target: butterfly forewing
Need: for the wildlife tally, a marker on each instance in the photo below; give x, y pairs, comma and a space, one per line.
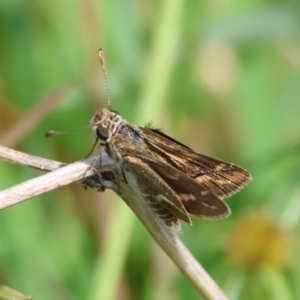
221, 178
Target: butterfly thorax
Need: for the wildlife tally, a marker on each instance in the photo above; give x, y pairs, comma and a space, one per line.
106, 124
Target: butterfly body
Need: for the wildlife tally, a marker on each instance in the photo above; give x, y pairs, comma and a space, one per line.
175, 180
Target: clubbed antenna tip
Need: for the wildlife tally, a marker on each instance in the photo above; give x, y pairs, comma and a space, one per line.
51, 133
101, 55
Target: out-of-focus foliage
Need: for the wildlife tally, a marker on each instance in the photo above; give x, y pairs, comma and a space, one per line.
229, 89
7, 294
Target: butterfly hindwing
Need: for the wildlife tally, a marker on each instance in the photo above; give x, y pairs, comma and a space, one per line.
173, 189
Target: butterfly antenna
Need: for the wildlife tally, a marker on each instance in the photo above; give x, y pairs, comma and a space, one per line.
102, 61
51, 133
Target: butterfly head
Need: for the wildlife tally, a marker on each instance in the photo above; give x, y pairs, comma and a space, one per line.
106, 123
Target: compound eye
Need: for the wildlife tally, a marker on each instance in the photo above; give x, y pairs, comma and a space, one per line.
102, 133
114, 111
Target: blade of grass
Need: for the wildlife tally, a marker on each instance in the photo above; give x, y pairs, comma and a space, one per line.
275, 284
109, 266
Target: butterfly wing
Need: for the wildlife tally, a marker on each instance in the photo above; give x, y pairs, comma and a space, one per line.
220, 178
175, 191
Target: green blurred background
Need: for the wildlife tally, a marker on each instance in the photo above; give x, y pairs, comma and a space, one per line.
220, 76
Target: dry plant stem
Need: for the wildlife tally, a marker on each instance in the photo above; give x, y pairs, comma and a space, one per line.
170, 243
24, 159
44, 183
164, 236
62, 175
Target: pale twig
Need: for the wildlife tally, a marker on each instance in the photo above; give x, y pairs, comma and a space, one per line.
62, 174
130, 193
24, 159
169, 241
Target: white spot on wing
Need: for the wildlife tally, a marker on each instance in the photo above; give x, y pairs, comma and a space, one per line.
220, 167
210, 206
192, 197
185, 197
